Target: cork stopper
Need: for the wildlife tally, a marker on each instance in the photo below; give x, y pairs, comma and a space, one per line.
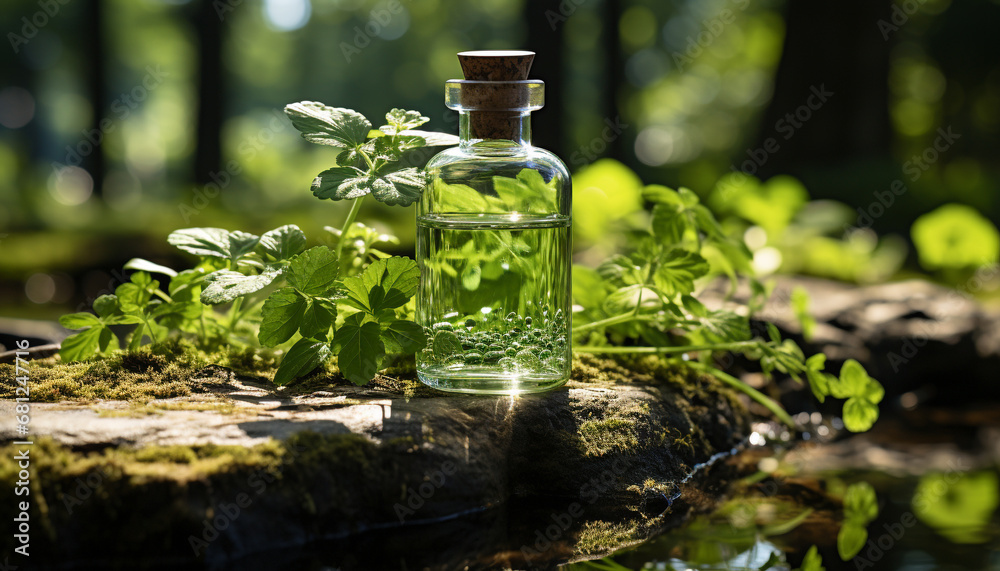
496, 65
496, 92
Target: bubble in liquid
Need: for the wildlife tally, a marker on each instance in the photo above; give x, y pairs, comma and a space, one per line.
442, 326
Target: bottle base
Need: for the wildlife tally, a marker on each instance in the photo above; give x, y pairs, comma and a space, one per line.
489, 382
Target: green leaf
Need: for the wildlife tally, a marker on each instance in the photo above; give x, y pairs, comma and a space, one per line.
82, 346
624, 300
433, 139
133, 297
403, 336
812, 561
241, 244
819, 381
402, 187
79, 320
800, 306
677, 271
401, 119
283, 242
472, 275
662, 195
334, 126
669, 224
212, 242
621, 270
318, 317
959, 506
860, 502
301, 359
859, 414
446, 344
385, 284
281, 316
313, 272
342, 183
955, 236
359, 348
106, 305
851, 539
224, 286
147, 266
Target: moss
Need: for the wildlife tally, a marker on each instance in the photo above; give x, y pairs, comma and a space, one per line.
603, 536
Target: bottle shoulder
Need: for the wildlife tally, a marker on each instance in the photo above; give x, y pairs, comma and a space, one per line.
528, 157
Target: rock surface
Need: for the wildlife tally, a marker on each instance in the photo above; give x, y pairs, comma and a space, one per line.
603, 459
913, 336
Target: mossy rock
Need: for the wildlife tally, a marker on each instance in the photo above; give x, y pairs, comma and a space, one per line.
202, 465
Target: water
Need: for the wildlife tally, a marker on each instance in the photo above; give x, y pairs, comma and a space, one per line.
494, 300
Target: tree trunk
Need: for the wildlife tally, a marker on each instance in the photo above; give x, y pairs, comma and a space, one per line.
208, 154
830, 102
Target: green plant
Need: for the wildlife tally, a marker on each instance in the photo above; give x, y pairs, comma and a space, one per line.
272, 281
955, 237
860, 508
642, 301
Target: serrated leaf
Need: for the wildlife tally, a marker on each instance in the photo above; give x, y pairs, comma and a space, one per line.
402, 119
280, 316
283, 242
621, 270
859, 414
212, 242
342, 183
317, 318
402, 187
304, 356
624, 300
359, 348
403, 336
334, 126
106, 305
669, 225
241, 244
313, 272
396, 279
224, 286
677, 270
147, 266
79, 320
82, 346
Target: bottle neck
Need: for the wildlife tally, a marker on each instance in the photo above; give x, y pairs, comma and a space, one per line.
505, 125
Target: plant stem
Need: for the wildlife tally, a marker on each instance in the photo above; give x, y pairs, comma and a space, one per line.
234, 313
679, 349
611, 321
751, 392
347, 223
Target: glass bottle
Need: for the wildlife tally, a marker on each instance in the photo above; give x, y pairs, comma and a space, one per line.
494, 241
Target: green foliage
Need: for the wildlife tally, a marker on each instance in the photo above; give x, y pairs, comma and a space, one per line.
813, 561
955, 236
860, 509
958, 506
271, 281
643, 300
368, 162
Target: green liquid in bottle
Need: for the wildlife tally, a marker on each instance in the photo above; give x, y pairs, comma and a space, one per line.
495, 301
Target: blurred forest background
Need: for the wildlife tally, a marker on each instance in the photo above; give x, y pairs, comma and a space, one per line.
121, 120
